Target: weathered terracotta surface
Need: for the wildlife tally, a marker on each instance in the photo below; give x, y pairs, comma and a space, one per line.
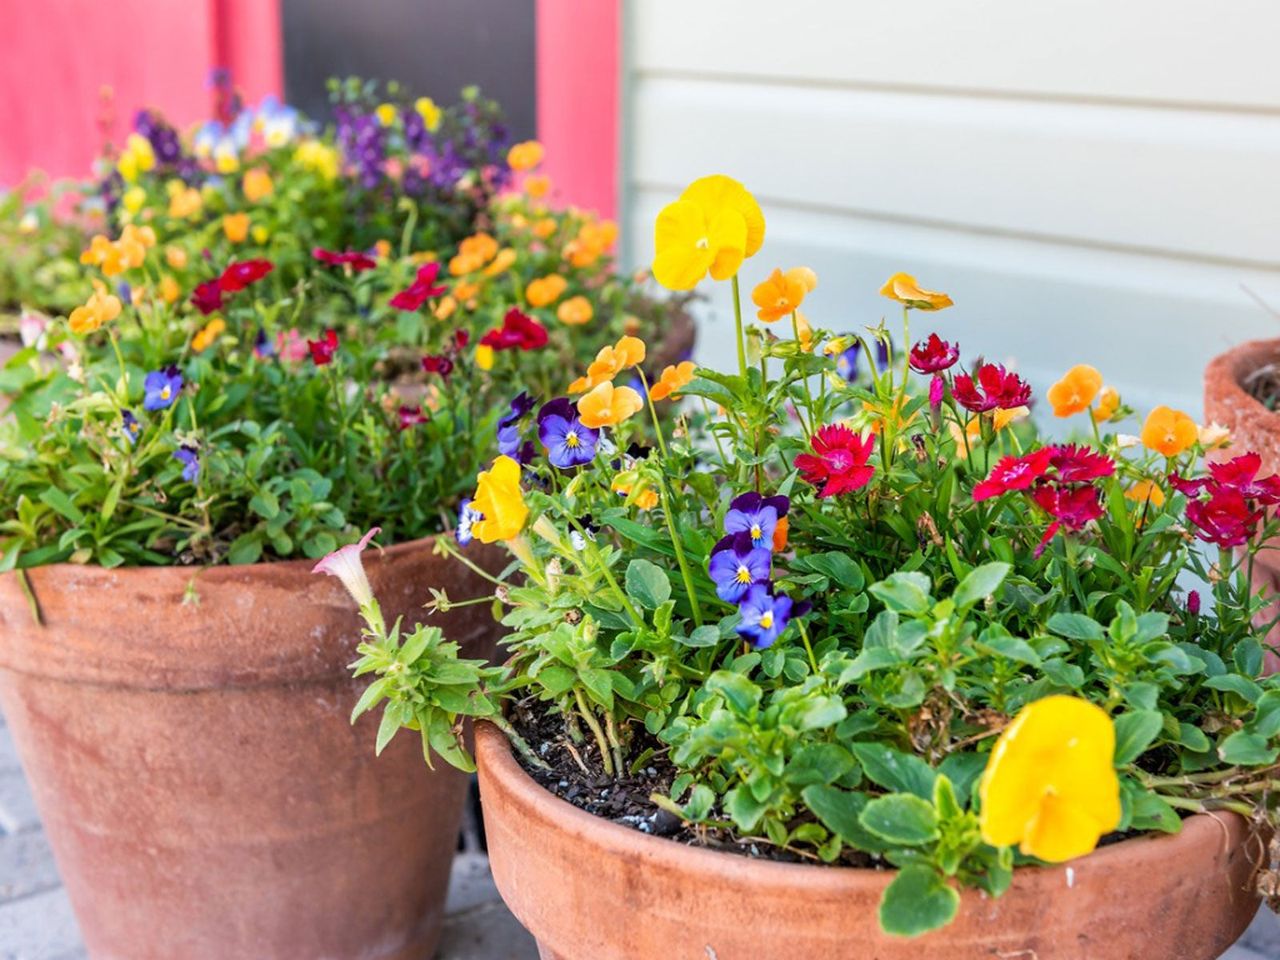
592, 890
1253, 428
187, 737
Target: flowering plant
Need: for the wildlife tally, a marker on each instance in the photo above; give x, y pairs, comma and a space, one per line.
850, 609
254, 371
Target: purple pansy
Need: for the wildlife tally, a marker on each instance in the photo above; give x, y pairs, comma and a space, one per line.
764, 615
736, 566
190, 460
131, 426
757, 516
509, 442
569, 443
467, 516
161, 388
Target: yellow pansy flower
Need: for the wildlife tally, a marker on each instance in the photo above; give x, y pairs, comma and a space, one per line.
499, 499
484, 357
170, 291
718, 192
1075, 392
537, 185
429, 112
175, 257
133, 199
1169, 432
1050, 785
1108, 404
903, 288
207, 334
386, 113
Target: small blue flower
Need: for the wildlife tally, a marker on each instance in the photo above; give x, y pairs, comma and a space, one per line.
569, 443
262, 345
764, 616
847, 362
736, 566
757, 516
509, 440
161, 388
131, 426
467, 516
190, 460
124, 291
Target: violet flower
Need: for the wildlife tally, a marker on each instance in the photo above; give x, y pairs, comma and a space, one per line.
764, 616
161, 388
757, 516
736, 566
190, 460
568, 442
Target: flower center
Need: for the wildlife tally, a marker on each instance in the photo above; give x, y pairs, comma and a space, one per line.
744, 574
756, 532
164, 393
766, 619
571, 439
703, 243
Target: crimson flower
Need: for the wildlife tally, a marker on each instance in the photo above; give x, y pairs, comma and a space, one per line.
1014, 473
1225, 518
438, 363
461, 338
839, 460
237, 276
934, 355
207, 296
354, 259
322, 350
1240, 475
517, 330
1070, 507
411, 417
996, 388
1080, 464
423, 288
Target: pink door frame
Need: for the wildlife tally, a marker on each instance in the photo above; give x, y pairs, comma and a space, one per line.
579, 88
56, 56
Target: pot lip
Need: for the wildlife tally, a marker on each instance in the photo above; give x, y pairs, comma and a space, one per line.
300, 567
1233, 365
496, 758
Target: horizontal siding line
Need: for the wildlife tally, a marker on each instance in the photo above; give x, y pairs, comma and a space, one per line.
637, 187
963, 93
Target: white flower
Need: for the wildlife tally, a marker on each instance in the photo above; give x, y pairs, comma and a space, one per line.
1126, 440
345, 564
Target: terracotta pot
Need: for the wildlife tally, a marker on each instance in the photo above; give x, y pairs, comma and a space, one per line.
1253, 428
186, 734
588, 889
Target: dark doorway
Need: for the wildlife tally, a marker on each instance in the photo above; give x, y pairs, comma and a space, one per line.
434, 47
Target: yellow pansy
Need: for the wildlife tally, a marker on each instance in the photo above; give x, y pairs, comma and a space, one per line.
429, 112
137, 157
718, 192
525, 156
1075, 392
170, 291
484, 357
1214, 435
236, 226
100, 308
689, 242
1146, 491
318, 158
1050, 785
499, 499
544, 291
1169, 432
386, 113
575, 311
207, 334
903, 288
537, 185
628, 352
133, 199
257, 185
503, 261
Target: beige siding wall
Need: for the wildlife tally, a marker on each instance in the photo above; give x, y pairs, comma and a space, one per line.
1091, 180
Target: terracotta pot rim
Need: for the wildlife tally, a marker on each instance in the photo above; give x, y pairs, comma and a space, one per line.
300, 565
494, 751
1235, 364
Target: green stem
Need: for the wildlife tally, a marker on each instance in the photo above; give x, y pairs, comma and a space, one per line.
517, 741
737, 320
606, 758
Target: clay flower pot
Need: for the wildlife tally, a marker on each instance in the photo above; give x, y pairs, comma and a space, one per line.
1253, 428
186, 733
588, 889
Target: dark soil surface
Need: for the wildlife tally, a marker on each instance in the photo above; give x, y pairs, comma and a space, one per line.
625, 800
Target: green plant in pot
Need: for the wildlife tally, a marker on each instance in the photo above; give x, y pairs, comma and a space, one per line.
851, 662
176, 454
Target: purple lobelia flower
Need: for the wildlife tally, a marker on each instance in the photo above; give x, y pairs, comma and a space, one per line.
569, 443
190, 460
757, 516
161, 388
736, 565
764, 616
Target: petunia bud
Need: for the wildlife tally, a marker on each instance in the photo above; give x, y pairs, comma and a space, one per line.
345, 564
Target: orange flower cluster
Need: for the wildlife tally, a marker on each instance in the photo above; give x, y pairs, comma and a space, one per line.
126, 253
609, 362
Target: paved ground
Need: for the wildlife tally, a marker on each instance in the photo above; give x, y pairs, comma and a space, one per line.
36, 922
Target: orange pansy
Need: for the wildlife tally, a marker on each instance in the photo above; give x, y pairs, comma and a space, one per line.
1169, 432
1076, 391
607, 405
672, 379
575, 311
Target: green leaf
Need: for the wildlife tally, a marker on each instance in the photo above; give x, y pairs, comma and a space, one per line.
822, 712
556, 680
1076, 626
706, 636
1151, 812
1246, 750
837, 566
1234, 683
963, 770
1193, 738
246, 548
1135, 732
60, 502
737, 689
904, 592
894, 770
839, 810
1247, 657
981, 583
600, 685
648, 584
387, 728
818, 763
743, 808
901, 818
372, 694
1266, 722
1011, 648
265, 504
917, 901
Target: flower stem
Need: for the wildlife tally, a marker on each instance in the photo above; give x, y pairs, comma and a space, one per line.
606, 758
737, 320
